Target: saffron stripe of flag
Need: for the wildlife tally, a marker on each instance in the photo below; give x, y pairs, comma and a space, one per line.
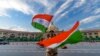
58, 39
41, 21
74, 38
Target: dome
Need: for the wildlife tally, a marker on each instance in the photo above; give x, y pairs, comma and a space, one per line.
52, 27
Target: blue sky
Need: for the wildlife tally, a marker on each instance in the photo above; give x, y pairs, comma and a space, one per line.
17, 14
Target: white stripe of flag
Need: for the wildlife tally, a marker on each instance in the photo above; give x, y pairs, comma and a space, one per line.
42, 21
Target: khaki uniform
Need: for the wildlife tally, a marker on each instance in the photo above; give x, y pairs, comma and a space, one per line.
51, 52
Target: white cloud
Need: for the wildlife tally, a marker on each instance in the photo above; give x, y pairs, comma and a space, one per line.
79, 3
97, 11
17, 5
44, 2
66, 4
96, 26
62, 15
3, 13
90, 19
17, 28
63, 6
47, 4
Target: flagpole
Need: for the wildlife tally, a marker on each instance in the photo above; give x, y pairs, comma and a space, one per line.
51, 51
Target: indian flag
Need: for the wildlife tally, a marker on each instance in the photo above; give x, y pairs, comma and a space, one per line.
41, 21
63, 38
73, 39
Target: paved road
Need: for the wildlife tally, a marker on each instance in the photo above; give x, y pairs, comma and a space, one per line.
81, 49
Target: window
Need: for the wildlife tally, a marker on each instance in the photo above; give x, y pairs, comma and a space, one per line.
96, 33
19, 34
22, 34
12, 35
26, 34
90, 33
4, 33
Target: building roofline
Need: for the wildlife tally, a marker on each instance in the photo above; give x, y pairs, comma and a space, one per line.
91, 30
5, 30
17, 31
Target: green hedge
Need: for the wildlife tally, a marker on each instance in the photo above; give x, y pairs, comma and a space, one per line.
17, 39
91, 39
38, 38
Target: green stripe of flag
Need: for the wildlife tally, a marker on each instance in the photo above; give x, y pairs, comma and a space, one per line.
74, 38
39, 26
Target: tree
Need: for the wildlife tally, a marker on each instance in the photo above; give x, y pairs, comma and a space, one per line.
31, 39
85, 39
24, 39
38, 38
16, 39
2, 38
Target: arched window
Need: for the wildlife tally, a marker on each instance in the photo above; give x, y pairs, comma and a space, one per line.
96, 33
12, 35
